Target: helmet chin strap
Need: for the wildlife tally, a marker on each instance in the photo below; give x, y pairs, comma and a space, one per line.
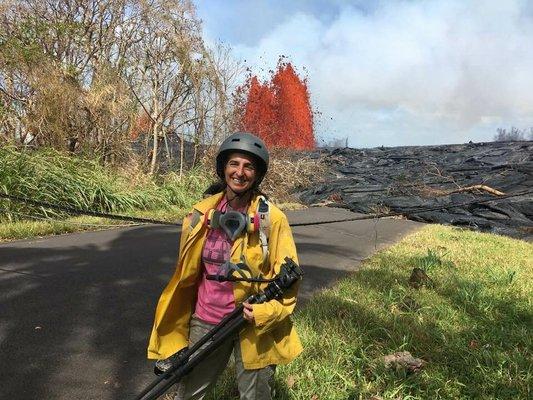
239, 195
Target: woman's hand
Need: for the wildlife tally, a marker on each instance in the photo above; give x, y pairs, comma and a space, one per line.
248, 312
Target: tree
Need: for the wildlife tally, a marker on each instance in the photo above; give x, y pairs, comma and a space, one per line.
512, 135
86, 75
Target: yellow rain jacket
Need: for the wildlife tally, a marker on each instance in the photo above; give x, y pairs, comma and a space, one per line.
271, 339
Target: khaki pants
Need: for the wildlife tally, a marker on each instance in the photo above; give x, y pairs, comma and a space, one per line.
253, 384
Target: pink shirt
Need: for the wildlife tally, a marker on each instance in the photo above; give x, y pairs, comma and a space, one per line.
215, 299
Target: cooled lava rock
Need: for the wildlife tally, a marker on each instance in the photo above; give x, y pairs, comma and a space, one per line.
441, 184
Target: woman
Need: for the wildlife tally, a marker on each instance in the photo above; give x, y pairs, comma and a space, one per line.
192, 304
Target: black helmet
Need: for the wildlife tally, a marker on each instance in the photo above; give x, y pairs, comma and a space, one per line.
242, 142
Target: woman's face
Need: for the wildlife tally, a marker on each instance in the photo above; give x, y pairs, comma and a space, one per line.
240, 172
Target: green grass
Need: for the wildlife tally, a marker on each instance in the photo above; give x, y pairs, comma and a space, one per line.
64, 180
38, 228
473, 327
27, 229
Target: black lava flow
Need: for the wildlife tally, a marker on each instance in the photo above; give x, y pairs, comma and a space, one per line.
403, 179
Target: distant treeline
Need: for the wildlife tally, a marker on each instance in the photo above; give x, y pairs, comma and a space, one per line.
513, 134
91, 76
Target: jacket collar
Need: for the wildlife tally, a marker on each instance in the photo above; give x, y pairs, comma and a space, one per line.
207, 204
211, 202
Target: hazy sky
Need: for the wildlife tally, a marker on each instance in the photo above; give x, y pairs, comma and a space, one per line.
393, 72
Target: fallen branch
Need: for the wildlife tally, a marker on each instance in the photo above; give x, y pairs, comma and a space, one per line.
485, 188
438, 192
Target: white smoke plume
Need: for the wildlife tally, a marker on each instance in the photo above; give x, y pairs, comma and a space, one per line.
410, 72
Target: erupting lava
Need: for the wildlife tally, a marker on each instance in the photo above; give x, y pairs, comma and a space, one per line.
279, 112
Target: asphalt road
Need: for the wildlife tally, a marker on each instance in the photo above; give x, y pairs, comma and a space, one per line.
76, 310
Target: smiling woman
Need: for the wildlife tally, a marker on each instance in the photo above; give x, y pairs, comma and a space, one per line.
236, 233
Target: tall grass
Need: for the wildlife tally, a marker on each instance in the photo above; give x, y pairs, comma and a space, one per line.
64, 180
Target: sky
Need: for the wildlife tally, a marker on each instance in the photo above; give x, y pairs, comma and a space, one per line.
392, 73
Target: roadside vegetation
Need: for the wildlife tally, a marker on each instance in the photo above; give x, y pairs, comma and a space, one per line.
471, 324
61, 179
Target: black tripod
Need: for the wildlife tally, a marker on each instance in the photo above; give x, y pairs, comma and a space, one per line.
231, 324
